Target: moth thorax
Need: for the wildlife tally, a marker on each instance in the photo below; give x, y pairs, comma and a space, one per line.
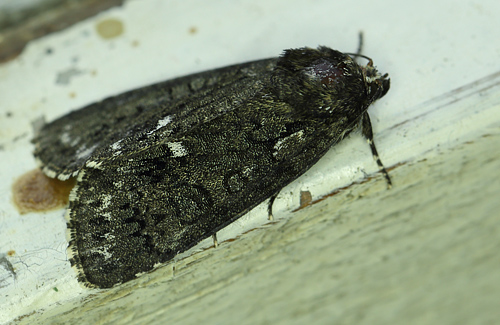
327, 72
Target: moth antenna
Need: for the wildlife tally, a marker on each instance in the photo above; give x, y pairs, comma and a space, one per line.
360, 44
355, 55
360, 49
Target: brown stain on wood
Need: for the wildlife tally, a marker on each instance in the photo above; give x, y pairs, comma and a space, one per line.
35, 192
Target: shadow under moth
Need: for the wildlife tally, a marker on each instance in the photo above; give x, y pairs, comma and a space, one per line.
163, 167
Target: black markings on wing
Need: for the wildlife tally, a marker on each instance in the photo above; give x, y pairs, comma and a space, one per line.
139, 118
144, 207
163, 167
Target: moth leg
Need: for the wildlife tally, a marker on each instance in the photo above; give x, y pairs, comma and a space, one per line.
366, 126
270, 207
214, 238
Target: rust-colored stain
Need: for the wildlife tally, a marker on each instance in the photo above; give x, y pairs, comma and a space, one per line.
340, 189
109, 28
34, 192
193, 30
305, 199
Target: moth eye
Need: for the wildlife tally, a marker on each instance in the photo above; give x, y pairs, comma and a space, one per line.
328, 73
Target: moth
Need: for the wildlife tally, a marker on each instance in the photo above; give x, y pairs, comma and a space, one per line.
163, 167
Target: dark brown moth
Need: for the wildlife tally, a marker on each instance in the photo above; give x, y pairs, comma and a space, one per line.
163, 167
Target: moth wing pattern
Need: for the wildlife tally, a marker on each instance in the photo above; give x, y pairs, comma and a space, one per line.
151, 204
120, 124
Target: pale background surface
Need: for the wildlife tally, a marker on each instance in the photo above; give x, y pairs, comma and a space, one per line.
424, 252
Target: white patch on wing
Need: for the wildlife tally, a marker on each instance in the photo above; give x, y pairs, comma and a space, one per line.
93, 164
106, 216
106, 201
247, 171
117, 145
49, 172
84, 153
102, 251
283, 143
161, 123
65, 138
177, 149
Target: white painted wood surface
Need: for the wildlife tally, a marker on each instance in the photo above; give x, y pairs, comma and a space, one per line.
423, 252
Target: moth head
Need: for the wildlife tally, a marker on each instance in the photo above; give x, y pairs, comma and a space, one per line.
328, 81
377, 85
